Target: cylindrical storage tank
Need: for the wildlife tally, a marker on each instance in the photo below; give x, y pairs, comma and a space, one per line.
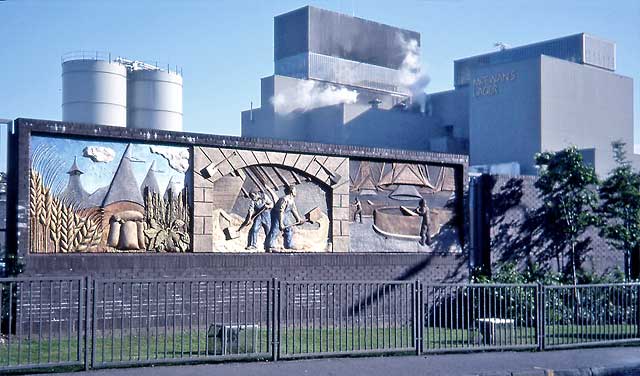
94, 91
154, 100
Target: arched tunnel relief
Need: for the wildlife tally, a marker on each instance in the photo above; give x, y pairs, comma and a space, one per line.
231, 187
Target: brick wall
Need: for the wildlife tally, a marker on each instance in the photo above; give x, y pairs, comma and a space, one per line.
513, 200
333, 266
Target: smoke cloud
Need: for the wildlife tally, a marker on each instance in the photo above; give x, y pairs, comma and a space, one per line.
98, 154
307, 95
636, 149
411, 75
178, 158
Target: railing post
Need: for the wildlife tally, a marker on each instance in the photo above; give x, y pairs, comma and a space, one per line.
93, 321
81, 332
540, 315
275, 319
422, 316
638, 310
419, 316
86, 327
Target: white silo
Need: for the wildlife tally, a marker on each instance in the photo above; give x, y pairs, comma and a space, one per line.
154, 99
94, 90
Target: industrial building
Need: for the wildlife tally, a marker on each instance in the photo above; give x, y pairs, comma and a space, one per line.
345, 80
339, 79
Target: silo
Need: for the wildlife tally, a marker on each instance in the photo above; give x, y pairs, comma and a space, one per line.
154, 99
94, 91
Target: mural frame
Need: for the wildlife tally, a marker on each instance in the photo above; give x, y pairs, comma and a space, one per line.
19, 151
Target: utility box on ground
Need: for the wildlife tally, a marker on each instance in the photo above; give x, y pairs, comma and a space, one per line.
232, 339
495, 331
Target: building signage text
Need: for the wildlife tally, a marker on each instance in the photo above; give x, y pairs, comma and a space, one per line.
489, 85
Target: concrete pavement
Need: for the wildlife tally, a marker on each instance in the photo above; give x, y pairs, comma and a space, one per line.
591, 362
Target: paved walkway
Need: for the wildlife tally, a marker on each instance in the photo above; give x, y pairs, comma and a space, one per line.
591, 362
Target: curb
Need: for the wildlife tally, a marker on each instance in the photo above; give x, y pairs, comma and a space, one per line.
630, 370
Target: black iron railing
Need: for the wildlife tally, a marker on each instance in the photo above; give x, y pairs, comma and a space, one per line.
94, 323
328, 318
480, 317
154, 321
590, 315
42, 322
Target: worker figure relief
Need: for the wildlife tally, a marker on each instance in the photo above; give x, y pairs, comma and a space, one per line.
284, 202
357, 213
283, 219
423, 211
258, 216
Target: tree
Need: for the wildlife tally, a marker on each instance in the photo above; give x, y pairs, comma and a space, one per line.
620, 206
566, 188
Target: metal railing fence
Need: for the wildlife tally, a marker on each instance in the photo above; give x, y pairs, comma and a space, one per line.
591, 315
480, 317
94, 323
42, 322
109, 57
155, 321
329, 318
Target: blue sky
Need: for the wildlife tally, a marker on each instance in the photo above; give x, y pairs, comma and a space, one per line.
99, 174
225, 47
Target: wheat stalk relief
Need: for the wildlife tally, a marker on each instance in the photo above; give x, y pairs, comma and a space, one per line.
120, 215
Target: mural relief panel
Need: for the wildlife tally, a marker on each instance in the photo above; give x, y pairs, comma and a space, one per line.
254, 201
96, 196
93, 196
402, 207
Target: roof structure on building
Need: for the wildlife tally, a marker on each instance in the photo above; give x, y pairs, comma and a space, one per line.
74, 193
75, 170
174, 188
124, 186
151, 181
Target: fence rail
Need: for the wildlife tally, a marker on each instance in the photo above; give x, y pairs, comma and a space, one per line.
591, 315
42, 322
81, 322
158, 321
328, 318
480, 317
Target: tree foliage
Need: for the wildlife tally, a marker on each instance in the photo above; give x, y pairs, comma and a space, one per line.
566, 187
620, 206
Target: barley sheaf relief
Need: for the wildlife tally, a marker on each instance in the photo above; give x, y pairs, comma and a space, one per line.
91, 196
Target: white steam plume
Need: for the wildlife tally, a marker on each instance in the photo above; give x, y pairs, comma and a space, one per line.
307, 95
411, 75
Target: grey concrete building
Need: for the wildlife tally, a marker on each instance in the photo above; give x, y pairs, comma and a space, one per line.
545, 97
346, 80
506, 105
313, 43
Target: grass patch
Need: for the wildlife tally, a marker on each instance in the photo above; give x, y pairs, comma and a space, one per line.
122, 346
